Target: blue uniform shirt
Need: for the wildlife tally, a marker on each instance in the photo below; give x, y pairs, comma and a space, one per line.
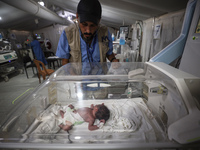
63, 48
35, 44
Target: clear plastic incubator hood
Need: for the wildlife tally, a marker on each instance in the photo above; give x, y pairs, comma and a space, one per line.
152, 105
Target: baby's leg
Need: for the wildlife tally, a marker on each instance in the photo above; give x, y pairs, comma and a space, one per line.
65, 127
68, 123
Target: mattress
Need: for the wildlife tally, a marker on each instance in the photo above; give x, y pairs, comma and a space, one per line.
130, 120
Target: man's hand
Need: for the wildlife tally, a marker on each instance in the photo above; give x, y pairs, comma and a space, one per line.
115, 60
112, 58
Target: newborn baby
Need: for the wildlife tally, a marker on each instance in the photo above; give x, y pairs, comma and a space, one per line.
85, 114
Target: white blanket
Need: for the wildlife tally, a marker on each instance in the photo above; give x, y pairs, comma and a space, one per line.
127, 121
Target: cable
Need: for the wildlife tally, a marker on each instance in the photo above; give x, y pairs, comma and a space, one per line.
20, 95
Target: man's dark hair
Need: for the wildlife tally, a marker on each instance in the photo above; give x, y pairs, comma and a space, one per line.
102, 113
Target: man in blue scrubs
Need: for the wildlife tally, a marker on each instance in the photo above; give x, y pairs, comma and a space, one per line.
86, 41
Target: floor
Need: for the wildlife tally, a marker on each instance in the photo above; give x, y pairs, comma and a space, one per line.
16, 89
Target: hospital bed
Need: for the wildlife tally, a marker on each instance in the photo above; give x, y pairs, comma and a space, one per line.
152, 106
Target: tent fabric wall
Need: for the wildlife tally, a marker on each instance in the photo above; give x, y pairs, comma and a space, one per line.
21, 36
171, 29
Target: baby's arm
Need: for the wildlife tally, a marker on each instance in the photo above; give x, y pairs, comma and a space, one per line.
91, 126
72, 108
65, 127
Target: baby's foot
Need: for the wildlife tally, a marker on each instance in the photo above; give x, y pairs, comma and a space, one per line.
62, 113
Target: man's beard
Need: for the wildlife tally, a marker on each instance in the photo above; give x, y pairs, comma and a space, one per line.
87, 39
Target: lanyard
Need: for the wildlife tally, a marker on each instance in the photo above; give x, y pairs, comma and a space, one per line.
93, 48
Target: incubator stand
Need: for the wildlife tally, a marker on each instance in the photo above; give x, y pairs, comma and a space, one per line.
152, 105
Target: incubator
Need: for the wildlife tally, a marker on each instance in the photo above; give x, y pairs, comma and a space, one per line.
152, 105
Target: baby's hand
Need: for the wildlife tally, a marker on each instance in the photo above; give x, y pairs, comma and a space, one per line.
75, 111
101, 124
102, 121
71, 106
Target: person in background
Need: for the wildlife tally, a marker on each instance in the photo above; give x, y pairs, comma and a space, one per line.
37, 50
87, 40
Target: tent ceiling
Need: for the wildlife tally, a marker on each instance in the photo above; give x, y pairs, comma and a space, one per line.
115, 12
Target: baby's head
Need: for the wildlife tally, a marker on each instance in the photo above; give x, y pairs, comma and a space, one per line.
102, 113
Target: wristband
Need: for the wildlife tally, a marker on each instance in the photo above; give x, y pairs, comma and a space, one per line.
112, 59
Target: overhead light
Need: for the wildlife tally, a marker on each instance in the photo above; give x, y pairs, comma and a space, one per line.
36, 21
77, 137
92, 85
41, 3
0, 18
99, 85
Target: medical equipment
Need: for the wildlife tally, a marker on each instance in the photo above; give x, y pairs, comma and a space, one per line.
191, 52
152, 105
7, 55
186, 46
8, 60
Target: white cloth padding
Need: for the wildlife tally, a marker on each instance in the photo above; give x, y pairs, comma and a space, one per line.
125, 117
